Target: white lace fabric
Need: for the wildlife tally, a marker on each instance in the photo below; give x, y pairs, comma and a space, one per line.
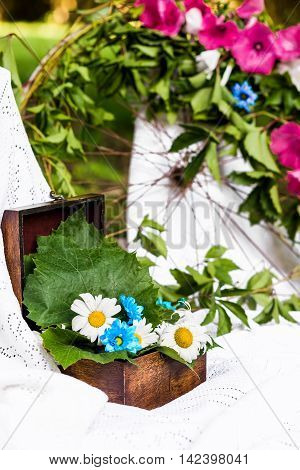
21, 184
255, 375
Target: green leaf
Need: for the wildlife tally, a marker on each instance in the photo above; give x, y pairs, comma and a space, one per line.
224, 323
138, 82
212, 161
265, 316
168, 292
197, 81
81, 70
237, 310
145, 262
275, 310
36, 109
64, 271
152, 224
154, 244
186, 139
217, 91
220, 268
162, 88
284, 312
274, 194
73, 144
193, 167
216, 251
249, 177
260, 280
68, 347
293, 303
74, 233
186, 282
257, 146
199, 278
201, 100
57, 137
149, 51
209, 318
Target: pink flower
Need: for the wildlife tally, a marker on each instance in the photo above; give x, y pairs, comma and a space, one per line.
198, 16
293, 178
288, 43
250, 7
254, 49
285, 143
219, 34
162, 15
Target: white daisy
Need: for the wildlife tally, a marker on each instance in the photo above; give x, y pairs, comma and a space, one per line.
187, 339
95, 314
189, 316
144, 333
160, 328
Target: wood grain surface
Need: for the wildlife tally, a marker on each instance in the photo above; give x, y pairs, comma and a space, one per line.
154, 381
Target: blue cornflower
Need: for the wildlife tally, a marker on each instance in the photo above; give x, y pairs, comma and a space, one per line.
133, 310
120, 337
165, 304
244, 96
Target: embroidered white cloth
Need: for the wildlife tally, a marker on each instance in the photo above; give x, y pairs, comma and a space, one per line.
255, 376
250, 401
21, 184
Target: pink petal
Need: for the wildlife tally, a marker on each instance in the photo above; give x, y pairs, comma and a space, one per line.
250, 8
254, 49
219, 34
293, 178
288, 43
162, 15
285, 143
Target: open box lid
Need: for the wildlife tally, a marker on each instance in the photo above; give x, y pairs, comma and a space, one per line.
22, 226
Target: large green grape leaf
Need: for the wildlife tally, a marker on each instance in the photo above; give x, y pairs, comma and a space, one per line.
74, 232
64, 271
68, 347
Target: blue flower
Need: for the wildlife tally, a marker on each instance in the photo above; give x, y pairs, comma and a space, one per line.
133, 310
165, 304
120, 337
244, 96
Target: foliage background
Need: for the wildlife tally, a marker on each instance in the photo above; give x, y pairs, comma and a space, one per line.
39, 26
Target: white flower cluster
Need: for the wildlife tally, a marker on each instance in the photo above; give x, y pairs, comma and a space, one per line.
186, 336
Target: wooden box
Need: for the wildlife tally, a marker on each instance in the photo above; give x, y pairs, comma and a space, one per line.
155, 379
22, 226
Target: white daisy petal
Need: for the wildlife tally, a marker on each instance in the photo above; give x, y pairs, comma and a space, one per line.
90, 332
94, 333
145, 333
98, 300
78, 306
186, 343
90, 301
78, 322
116, 309
107, 305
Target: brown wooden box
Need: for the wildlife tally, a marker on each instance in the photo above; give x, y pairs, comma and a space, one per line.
22, 226
155, 379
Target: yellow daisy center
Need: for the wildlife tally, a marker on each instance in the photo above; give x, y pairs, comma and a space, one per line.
119, 341
138, 337
96, 319
183, 337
